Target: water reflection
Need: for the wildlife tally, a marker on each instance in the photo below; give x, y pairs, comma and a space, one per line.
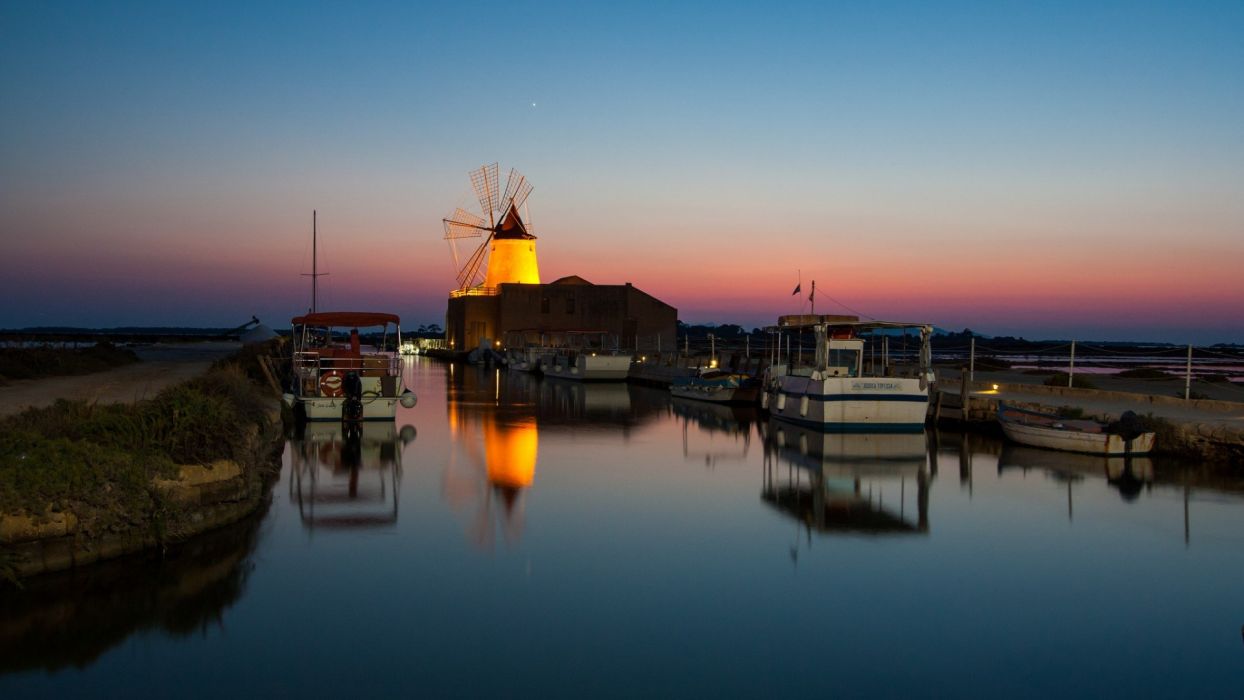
495, 419
72, 618
840, 482
633, 556
725, 432
347, 477
1128, 475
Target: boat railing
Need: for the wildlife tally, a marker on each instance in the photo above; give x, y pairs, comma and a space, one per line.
312, 363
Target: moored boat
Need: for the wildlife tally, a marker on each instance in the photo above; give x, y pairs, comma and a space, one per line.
587, 366
338, 377
838, 392
717, 386
526, 359
1036, 429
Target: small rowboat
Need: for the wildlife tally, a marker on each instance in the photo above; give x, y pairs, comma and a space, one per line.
1123, 437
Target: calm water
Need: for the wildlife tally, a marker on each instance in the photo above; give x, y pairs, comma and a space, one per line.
511, 536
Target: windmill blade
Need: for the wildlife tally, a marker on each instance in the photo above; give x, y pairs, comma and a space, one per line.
464, 224
485, 183
469, 272
517, 187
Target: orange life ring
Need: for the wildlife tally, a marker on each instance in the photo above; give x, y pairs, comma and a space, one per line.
331, 383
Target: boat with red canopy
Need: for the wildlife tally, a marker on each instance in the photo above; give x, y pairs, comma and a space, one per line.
346, 366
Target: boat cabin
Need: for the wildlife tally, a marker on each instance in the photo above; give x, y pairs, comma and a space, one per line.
328, 345
840, 349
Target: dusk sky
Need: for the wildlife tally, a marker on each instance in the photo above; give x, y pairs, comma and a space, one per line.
1050, 170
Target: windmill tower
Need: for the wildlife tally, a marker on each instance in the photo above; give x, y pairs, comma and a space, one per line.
508, 251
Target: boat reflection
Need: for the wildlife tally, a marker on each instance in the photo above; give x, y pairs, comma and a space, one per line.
347, 477
725, 431
1129, 475
840, 482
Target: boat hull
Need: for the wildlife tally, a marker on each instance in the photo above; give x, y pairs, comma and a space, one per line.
329, 409
716, 394
376, 406
850, 404
1076, 441
590, 368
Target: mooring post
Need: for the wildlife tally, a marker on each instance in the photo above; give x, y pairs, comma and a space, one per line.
972, 359
965, 391
1071, 368
1188, 375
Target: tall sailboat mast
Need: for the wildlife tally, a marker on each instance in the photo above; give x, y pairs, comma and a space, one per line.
315, 263
315, 259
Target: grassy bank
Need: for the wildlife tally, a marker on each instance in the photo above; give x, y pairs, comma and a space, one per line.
39, 362
99, 464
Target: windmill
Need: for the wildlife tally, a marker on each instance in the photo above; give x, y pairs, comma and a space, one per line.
508, 247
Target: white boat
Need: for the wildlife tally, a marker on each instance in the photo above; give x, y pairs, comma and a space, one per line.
337, 377
1037, 429
836, 393
587, 366
527, 359
717, 386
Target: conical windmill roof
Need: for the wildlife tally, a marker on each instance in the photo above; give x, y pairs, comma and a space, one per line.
512, 226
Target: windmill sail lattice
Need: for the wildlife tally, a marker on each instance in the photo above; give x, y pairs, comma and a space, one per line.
507, 253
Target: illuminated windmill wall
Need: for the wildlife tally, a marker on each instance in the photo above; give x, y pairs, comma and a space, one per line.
508, 252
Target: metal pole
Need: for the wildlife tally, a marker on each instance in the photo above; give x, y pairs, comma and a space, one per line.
315, 272
1188, 375
1071, 368
972, 360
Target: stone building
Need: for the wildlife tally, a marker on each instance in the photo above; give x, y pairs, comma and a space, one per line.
567, 312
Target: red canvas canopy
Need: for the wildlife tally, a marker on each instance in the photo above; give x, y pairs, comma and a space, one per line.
345, 319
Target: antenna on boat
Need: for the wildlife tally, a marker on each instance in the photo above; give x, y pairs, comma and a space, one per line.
315, 271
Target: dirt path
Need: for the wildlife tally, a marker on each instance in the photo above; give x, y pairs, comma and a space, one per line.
161, 366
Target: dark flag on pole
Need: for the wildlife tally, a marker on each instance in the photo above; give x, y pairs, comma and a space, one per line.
798, 288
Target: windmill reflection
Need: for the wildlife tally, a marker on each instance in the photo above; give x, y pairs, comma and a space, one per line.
492, 424
348, 477
847, 482
495, 419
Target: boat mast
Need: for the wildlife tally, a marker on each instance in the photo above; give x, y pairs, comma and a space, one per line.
315, 267
315, 258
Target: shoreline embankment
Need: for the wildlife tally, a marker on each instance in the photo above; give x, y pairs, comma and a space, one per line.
1202, 428
86, 481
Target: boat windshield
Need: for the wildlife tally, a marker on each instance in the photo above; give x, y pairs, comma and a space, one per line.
843, 362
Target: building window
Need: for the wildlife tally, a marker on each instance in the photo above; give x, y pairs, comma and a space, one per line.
544, 305
570, 304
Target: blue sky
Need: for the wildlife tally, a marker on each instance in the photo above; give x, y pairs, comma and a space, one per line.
1020, 168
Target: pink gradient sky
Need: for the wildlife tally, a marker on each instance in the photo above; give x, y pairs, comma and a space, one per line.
1061, 174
